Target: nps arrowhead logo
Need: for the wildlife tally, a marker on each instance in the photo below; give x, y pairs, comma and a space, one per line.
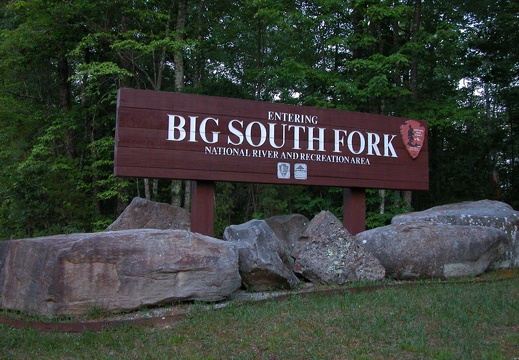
413, 136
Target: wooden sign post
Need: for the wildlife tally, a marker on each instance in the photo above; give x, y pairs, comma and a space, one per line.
354, 210
208, 139
202, 207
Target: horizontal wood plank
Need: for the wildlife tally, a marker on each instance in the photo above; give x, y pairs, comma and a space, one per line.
145, 148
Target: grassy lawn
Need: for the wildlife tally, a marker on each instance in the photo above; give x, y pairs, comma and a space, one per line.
472, 320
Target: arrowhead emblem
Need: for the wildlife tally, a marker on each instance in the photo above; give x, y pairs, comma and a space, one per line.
413, 136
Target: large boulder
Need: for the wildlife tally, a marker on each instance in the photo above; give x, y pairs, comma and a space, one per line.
422, 249
488, 213
114, 271
263, 260
288, 229
326, 253
146, 214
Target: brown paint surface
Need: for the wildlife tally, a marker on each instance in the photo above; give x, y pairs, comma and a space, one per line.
143, 150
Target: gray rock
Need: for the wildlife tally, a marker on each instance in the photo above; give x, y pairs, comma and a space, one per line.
288, 229
145, 214
264, 262
114, 271
326, 253
422, 249
488, 213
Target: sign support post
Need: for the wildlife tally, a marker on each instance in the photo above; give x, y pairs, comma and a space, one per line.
202, 207
354, 210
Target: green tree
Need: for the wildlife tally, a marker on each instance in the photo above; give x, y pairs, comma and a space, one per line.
454, 64
494, 88
39, 197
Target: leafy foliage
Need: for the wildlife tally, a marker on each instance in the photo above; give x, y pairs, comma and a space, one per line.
454, 64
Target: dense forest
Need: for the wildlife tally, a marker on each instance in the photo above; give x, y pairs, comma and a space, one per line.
452, 63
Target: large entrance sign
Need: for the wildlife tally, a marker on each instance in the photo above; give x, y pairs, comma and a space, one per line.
207, 139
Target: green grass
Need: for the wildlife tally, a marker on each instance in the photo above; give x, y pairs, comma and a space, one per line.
472, 320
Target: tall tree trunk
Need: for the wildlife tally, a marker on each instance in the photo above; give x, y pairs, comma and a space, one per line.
187, 194
147, 193
176, 192
64, 84
356, 21
259, 59
382, 205
84, 98
155, 189
396, 44
414, 58
407, 195
199, 65
65, 100
178, 58
121, 204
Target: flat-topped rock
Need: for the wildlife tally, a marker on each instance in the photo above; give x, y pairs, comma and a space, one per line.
487, 213
114, 271
426, 249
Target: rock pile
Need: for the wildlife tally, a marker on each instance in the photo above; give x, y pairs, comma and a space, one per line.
324, 253
149, 257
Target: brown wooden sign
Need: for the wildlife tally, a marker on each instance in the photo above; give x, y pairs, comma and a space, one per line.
182, 136
207, 139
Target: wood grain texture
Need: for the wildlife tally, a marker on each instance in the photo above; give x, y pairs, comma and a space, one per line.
142, 148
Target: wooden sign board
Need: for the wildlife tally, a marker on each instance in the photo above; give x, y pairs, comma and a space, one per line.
207, 139
182, 136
